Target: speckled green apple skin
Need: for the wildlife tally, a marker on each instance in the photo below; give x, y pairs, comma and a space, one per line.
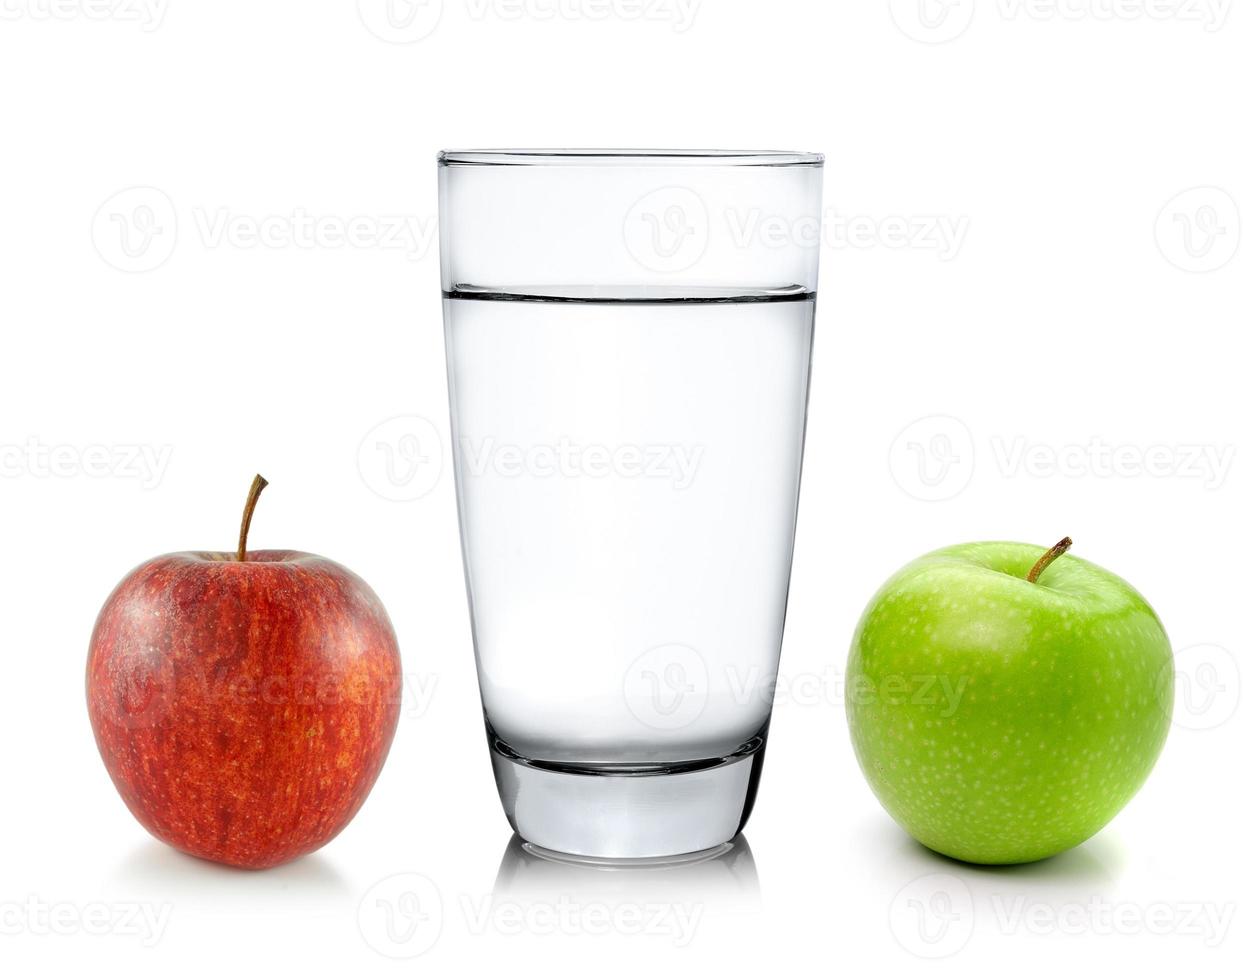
1001, 721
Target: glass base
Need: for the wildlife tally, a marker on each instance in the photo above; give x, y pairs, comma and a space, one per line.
632, 813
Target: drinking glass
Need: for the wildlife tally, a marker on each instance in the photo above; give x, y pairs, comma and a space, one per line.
628, 338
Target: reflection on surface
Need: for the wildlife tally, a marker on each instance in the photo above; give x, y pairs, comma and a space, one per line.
723, 877
1092, 867
936, 906
156, 869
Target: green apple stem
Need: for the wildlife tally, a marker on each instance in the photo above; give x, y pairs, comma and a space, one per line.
1048, 558
256, 488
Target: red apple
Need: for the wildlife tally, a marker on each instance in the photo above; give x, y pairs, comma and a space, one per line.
243, 704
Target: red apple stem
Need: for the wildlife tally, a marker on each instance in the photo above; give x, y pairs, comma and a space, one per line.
256, 488
1048, 558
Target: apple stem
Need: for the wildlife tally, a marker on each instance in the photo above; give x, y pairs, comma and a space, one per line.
1048, 558
256, 488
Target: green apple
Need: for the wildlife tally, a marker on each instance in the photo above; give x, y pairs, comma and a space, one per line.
1005, 701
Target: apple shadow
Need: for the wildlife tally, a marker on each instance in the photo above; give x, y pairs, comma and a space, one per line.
725, 875
156, 868
1093, 867
1092, 862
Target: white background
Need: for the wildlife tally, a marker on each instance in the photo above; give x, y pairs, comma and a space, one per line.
1079, 351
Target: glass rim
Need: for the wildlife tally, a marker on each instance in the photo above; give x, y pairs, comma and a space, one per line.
627, 158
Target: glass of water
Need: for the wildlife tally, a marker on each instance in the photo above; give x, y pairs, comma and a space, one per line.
628, 337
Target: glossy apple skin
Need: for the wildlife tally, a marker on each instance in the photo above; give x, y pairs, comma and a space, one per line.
243, 709
1001, 721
